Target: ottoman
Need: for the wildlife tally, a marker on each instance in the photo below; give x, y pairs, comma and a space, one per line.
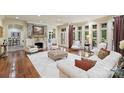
57, 54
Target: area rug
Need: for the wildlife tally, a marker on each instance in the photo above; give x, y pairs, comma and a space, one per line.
47, 67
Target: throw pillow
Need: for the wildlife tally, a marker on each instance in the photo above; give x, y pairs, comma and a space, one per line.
85, 64
103, 53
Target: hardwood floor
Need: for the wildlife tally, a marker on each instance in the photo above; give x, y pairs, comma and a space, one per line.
23, 66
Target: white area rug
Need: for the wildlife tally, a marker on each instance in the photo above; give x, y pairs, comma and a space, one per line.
46, 66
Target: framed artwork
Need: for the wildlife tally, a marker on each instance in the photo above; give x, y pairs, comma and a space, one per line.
1, 31
38, 31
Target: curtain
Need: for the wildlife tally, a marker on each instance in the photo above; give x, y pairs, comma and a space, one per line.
118, 32
70, 36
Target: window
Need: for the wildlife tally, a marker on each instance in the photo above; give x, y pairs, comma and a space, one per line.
74, 35
15, 30
80, 28
87, 36
50, 35
63, 35
104, 35
104, 25
94, 26
103, 32
63, 29
86, 27
79, 35
94, 38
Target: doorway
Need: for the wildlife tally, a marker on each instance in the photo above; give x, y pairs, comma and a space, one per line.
15, 37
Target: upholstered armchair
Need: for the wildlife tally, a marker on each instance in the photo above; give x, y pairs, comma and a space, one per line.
100, 45
30, 46
76, 45
54, 45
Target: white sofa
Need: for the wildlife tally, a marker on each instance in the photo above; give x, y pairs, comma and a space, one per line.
102, 69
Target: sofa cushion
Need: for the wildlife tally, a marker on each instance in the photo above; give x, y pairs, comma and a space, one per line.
85, 64
95, 57
103, 53
99, 72
71, 70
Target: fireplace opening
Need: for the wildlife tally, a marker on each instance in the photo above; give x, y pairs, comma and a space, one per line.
39, 44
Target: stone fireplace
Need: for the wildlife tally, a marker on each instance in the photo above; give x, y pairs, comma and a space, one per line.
39, 44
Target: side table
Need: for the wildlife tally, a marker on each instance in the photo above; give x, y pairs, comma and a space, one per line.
119, 72
3, 54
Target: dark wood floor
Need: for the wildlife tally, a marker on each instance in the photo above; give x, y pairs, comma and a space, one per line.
23, 66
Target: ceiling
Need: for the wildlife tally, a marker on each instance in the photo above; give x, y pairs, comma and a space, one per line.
54, 19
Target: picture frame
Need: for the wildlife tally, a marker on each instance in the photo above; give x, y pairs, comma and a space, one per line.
1, 31
38, 31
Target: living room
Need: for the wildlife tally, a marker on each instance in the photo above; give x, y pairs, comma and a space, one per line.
62, 41
61, 46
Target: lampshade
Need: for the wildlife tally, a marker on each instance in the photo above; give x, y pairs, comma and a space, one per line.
121, 46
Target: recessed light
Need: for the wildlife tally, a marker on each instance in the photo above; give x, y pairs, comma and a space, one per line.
17, 17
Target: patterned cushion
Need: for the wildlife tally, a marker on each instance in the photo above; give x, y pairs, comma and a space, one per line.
85, 64
103, 53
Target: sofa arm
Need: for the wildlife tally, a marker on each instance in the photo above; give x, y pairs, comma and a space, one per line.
35, 46
71, 70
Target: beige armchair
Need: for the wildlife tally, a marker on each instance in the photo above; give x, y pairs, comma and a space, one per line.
30, 46
100, 45
76, 45
54, 45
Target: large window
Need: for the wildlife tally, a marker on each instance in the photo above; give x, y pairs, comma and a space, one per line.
94, 38
79, 32
73, 35
94, 35
86, 36
104, 35
103, 32
79, 35
94, 26
63, 36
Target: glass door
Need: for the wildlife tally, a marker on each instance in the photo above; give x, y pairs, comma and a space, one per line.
94, 42
103, 32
